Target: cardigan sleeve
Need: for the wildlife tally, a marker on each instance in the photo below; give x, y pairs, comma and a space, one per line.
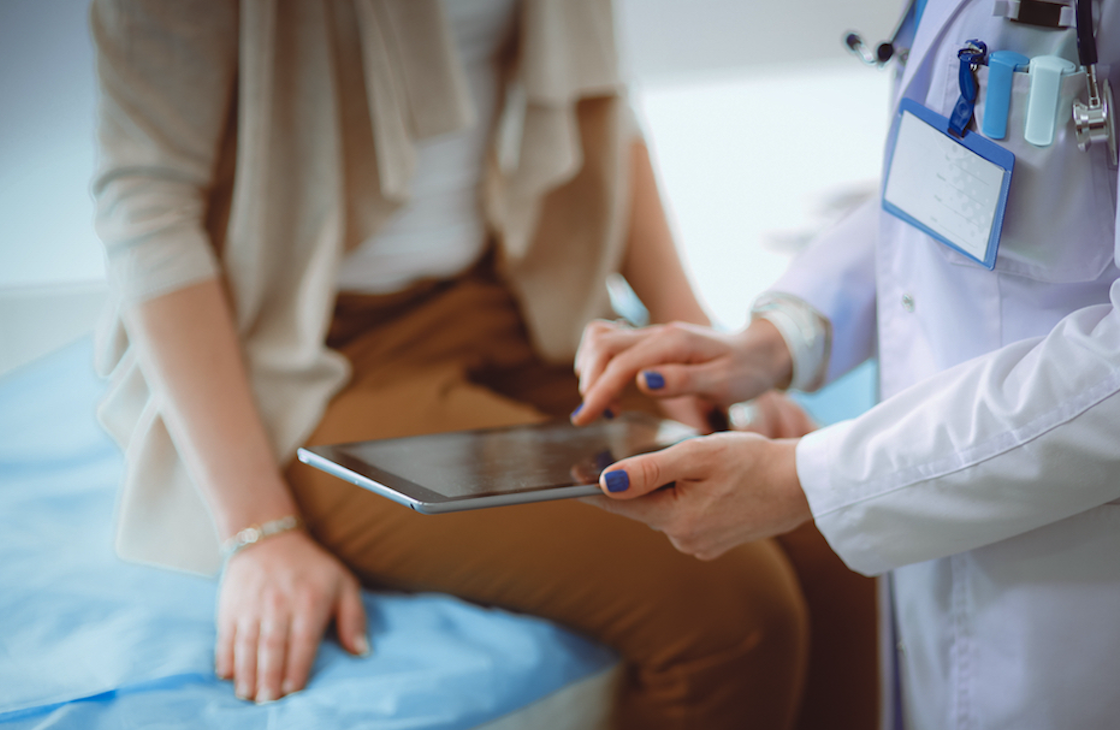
166, 75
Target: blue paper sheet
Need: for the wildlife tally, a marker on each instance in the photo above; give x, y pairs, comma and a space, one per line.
88, 641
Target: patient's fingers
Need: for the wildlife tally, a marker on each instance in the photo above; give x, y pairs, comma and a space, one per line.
306, 632
272, 649
245, 657
351, 618
223, 648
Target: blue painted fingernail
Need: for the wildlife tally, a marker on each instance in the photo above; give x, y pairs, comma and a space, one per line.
654, 381
577, 410
617, 481
608, 414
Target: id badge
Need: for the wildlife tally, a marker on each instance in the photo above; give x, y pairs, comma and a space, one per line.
952, 188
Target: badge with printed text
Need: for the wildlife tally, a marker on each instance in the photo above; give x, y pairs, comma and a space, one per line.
952, 188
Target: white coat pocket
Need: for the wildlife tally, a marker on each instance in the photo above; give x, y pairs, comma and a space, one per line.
1047, 202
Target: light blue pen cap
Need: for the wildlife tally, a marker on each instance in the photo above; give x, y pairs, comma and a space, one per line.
1002, 66
1042, 102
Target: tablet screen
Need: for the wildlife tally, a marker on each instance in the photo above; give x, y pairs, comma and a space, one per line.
464, 465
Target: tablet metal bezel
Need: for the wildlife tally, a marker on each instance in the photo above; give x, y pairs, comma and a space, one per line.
334, 459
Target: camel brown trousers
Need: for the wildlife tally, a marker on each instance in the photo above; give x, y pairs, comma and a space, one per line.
719, 644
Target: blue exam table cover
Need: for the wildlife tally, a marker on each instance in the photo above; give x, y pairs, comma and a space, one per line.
88, 641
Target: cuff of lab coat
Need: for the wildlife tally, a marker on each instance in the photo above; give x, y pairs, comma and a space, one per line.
834, 516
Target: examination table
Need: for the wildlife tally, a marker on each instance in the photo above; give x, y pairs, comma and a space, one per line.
88, 641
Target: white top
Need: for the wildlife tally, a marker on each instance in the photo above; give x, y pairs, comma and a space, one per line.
441, 230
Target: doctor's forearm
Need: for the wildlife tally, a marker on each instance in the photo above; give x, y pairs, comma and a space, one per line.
652, 264
190, 354
998, 446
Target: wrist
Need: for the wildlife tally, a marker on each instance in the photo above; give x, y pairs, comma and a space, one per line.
254, 534
239, 502
770, 352
795, 505
807, 335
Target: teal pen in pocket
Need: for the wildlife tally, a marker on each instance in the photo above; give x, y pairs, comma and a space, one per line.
1042, 102
1002, 66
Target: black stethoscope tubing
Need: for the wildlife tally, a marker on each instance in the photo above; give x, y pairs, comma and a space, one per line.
886, 50
1086, 39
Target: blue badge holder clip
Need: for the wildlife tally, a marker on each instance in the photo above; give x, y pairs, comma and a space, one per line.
974, 54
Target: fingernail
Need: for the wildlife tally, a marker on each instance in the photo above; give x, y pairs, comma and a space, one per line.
289, 687
617, 481
242, 692
654, 380
363, 646
608, 414
577, 410
265, 697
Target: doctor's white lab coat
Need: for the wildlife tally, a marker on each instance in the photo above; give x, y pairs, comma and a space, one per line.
986, 484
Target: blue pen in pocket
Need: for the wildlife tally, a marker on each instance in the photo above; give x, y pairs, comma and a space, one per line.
1002, 66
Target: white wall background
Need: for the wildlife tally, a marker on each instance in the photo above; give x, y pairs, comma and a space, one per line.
753, 109
46, 144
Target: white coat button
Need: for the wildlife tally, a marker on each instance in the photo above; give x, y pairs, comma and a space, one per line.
908, 302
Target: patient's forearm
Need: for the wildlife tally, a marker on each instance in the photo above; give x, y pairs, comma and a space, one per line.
190, 355
652, 264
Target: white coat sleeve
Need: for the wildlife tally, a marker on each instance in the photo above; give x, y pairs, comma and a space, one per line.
836, 275
997, 446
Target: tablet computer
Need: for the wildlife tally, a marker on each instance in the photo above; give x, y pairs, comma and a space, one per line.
462, 470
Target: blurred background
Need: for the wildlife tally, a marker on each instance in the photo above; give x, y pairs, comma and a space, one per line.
759, 120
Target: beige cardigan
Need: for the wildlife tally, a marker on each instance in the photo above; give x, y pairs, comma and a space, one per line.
259, 140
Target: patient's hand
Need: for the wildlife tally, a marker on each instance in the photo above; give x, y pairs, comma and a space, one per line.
276, 600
